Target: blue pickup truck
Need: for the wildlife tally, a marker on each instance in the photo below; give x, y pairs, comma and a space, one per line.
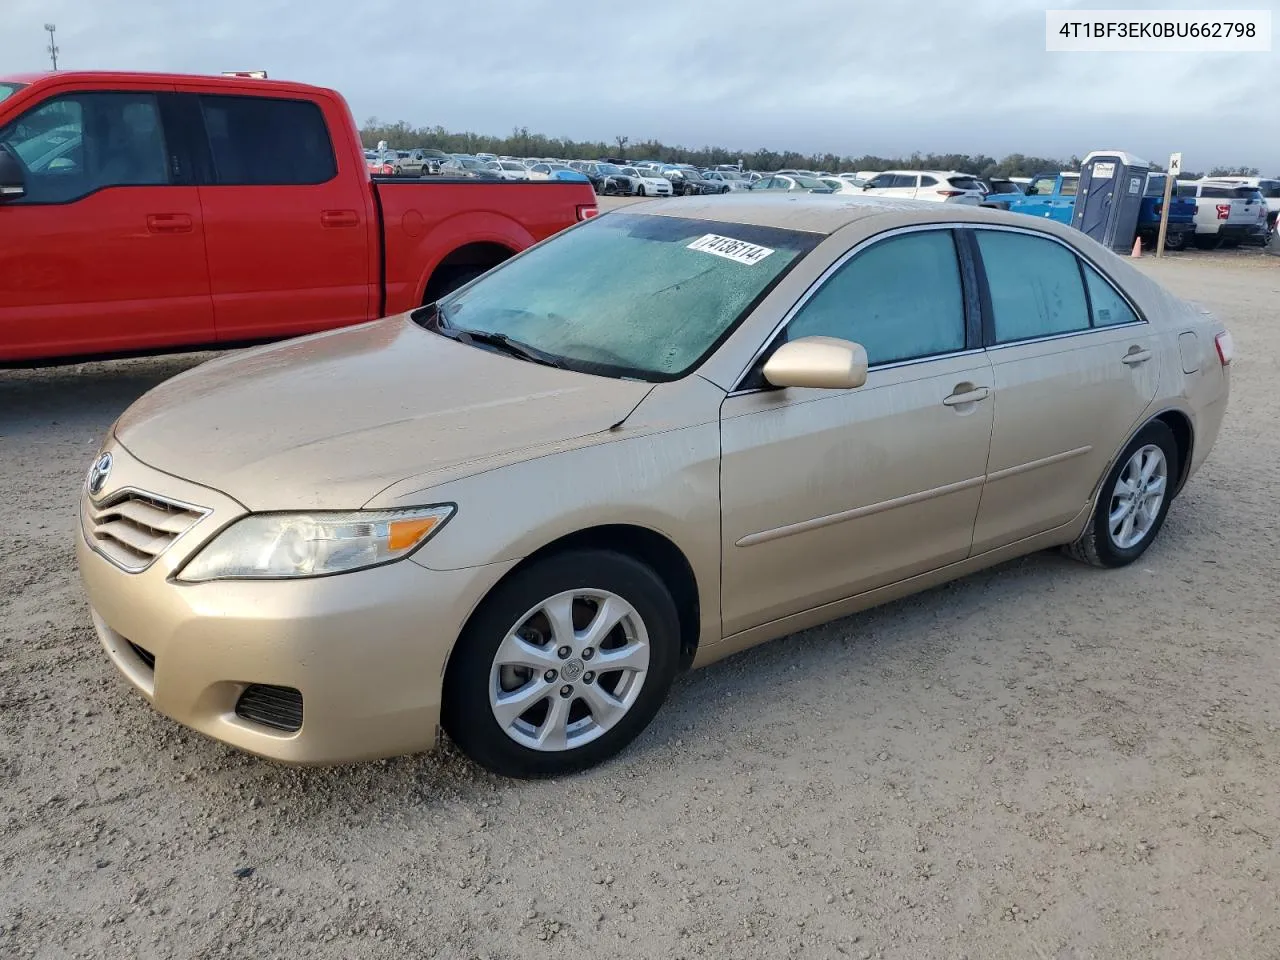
1053, 195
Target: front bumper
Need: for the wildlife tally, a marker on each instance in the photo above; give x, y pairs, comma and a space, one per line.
367, 650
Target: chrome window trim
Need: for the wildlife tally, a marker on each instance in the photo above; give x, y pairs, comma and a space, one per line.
818, 285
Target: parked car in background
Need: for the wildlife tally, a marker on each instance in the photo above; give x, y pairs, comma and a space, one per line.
543, 171
1181, 227
469, 167
1227, 213
999, 189
688, 181
508, 169
609, 180
939, 185
1051, 196
794, 183
284, 233
730, 178
647, 183
656, 440
841, 184
1270, 190
421, 161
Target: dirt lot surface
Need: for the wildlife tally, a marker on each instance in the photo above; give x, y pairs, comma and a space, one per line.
1041, 761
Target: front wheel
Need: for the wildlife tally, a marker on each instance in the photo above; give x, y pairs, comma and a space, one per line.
563, 665
1133, 501
640, 190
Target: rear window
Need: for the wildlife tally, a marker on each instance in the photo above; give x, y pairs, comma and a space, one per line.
1269, 188
964, 183
9, 89
1230, 193
258, 141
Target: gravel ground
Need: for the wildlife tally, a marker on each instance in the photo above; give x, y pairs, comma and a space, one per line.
1040, 761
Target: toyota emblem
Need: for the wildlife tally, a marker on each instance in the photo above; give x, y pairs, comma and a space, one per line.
98, 474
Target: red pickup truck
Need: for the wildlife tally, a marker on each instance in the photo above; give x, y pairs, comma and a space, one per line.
145, 212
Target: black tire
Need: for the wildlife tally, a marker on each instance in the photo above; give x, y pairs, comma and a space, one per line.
466, 712
1095, 545
455, 278
1230, 243
640, 191
1207, 241
1175, 241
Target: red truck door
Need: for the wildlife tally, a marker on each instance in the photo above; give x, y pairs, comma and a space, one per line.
286, 219
104, 252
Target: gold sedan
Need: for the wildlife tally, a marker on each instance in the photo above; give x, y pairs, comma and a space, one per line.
655, 439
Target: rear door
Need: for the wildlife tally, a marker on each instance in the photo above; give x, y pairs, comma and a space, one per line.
286, 219
1074, 367
106, 252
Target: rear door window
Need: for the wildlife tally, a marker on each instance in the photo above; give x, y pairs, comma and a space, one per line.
904, 180
1035, 285
259, 141
1106, 305
79, 143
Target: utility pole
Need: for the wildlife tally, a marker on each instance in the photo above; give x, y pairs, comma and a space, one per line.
53, 47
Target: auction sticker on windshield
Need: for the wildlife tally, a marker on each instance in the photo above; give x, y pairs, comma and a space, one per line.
731, 249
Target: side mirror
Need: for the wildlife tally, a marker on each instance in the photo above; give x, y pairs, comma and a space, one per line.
13, 180
823, 362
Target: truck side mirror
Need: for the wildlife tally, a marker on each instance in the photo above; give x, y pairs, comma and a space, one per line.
13, 179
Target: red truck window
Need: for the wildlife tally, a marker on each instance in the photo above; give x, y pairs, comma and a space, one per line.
77, 144
261, 141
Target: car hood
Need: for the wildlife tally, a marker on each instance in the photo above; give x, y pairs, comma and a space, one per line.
328, 421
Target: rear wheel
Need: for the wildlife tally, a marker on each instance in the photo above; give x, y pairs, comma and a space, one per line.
1230, 243
1175, 241
1133, 501
563, 665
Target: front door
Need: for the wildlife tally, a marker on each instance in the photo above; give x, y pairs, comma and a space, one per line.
286, 218
1074, 367
829, 493
105, 252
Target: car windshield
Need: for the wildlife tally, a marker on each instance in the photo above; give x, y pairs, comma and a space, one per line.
630, 172
730, 175
691, 174
809, 183
646, 297
1155, 185
9, 89
512, 165
608, 169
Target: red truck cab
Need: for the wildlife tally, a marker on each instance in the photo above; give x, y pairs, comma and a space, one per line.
146, 212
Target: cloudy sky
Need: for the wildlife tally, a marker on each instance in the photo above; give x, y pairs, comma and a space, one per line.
883, 77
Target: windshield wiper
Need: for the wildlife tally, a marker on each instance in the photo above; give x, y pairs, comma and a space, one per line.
438, 321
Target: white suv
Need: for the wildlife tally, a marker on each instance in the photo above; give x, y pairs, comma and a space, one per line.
1226, 212
943, 186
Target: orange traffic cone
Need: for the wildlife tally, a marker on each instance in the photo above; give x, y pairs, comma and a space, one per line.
1137, 247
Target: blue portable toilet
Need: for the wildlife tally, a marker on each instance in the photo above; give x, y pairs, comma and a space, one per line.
1109, 198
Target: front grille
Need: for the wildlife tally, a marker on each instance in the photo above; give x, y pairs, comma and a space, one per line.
271, 706
146, 656
133, 528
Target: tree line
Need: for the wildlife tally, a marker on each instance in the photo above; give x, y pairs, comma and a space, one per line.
522, 143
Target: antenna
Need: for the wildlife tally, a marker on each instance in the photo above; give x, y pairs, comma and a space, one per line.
53, 47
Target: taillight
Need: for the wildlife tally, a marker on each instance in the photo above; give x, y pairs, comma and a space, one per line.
587, 211
951, 193
1224, 211
1226, 347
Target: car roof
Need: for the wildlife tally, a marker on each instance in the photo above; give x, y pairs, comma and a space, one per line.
133, 76
827, 213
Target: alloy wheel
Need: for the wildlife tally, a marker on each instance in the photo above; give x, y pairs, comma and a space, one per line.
1137, 496
569, 670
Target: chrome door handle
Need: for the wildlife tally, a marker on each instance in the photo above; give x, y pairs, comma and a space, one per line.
1136, 357
969, 396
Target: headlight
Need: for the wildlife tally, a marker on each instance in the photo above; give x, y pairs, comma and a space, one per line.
271, 546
